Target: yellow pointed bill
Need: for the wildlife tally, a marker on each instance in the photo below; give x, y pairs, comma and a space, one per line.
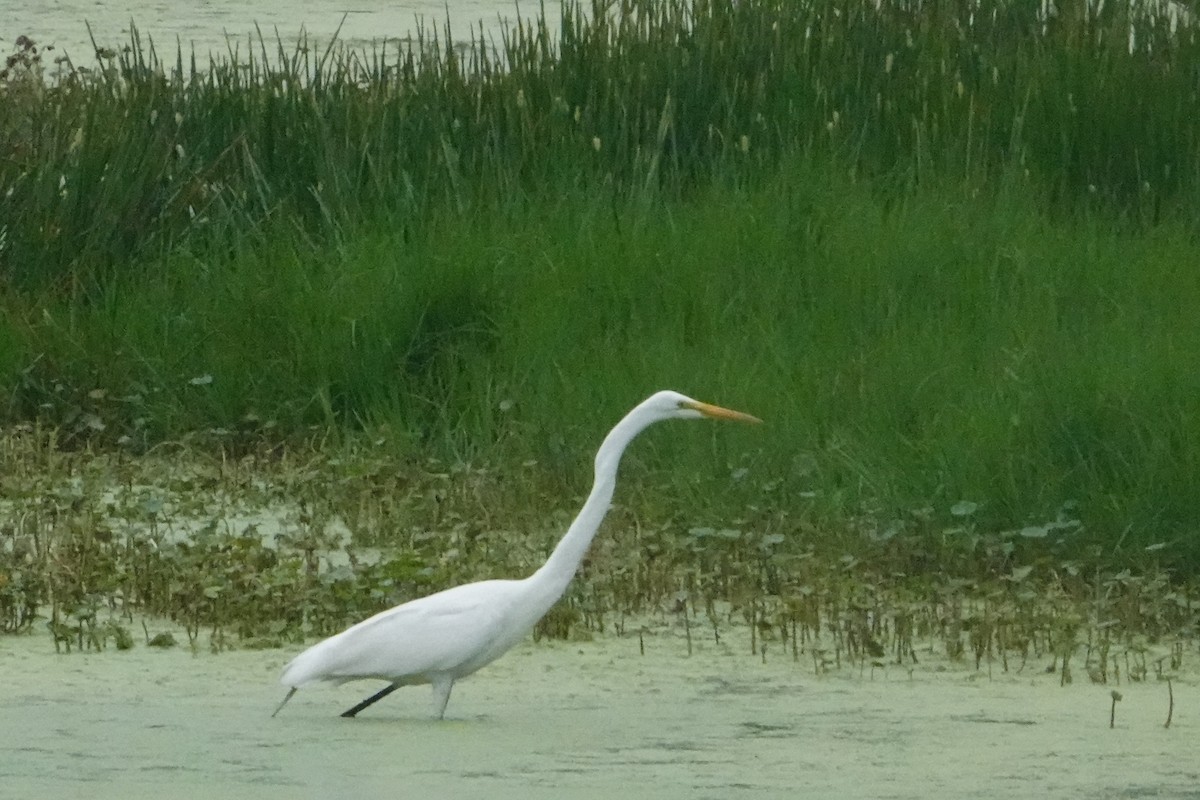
717, 412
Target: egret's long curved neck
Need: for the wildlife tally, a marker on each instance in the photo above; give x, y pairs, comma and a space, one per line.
556, 573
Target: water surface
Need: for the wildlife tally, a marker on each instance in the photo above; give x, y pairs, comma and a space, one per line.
213, 25
588, 720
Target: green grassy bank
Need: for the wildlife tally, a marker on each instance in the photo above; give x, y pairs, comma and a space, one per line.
950, 262
917, 356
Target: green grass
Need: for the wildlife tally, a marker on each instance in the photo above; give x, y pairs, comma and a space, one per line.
945, 261
912, 355
143, 154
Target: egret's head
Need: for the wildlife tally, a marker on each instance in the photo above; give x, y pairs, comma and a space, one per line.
675, 405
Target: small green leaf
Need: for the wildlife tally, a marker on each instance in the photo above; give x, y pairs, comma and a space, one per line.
1019, 574
964, 508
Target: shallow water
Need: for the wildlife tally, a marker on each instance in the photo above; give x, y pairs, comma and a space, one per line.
205, 25
589, 720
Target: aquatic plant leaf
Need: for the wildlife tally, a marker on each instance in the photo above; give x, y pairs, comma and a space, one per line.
964, 508
1019, 574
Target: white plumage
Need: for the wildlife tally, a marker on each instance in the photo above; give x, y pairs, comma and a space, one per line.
448, 635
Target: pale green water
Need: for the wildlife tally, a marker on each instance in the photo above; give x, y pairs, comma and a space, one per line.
593, 720
206, 24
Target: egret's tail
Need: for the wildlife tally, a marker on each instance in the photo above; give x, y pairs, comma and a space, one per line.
279, 708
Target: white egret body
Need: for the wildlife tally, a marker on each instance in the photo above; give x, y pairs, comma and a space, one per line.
448, 635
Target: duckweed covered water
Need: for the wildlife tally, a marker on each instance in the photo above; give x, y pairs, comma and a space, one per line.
583, 720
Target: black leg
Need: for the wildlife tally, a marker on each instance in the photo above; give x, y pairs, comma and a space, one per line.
278, 708
382, 693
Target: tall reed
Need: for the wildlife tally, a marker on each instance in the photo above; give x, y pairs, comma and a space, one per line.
141, 153
943, 249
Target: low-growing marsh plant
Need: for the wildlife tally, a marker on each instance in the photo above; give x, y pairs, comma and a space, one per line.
228, 553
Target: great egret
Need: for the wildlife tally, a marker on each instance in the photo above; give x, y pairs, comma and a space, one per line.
448, 635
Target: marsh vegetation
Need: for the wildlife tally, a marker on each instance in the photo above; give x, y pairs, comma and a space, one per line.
265, 549
290, 339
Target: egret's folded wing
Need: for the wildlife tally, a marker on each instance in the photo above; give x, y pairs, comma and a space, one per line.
431, 634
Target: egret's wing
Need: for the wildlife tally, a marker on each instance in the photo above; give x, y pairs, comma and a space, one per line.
432, 634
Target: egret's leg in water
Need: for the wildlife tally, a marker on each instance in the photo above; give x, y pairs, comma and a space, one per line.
382, 693
441, 696
291, 692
